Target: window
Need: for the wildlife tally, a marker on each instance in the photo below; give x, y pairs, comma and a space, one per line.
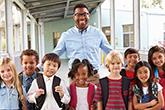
56, 36
2, 27
128, 40
107, 32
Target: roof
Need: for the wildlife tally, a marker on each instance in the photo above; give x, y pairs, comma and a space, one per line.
49, 10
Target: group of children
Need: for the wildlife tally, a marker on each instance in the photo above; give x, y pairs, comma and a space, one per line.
139, 85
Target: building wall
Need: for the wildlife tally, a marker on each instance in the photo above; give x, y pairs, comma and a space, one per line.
151, 26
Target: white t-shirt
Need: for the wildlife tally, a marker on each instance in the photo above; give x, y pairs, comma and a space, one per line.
82, 103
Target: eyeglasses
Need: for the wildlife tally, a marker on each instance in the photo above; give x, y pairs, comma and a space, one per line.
81, 14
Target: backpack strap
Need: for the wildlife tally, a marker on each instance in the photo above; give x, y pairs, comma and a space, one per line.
56, 82
39, 74
20, 76
125, 90
105, 90
122, 72
41, 85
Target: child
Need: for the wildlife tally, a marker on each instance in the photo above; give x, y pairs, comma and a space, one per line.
156, 58
11, 93
146, 95
131, 57
29, 60
114, 91
48, 91
82, 92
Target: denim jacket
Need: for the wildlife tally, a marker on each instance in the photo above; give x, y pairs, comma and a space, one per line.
8, 101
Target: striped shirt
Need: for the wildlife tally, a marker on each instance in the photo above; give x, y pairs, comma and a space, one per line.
115, 99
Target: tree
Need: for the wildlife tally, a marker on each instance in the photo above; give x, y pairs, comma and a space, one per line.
152, 3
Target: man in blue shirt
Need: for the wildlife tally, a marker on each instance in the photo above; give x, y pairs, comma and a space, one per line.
83, 41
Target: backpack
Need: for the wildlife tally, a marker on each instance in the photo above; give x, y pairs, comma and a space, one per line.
20, 76
135, 91
105, 90
41, 84
123, 73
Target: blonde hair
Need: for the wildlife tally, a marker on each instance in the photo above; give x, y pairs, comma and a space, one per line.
15, 79
113, 56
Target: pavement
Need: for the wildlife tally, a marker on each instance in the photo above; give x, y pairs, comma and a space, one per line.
63, 71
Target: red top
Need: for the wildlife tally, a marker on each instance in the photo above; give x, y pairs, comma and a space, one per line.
90, 95
115, 99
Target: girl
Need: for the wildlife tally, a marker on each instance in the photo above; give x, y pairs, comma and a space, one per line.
146, 95
156, 58
80, 71
11, 96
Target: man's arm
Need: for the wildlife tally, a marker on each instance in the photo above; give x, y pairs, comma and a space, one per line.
59, 50
105, 46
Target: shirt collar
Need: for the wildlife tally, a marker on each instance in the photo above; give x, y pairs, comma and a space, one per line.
80, 31
46, 78
3, 85
26, 76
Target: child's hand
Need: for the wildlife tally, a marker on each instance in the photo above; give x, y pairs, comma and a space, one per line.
39, 92
93, 107
59, 90
156, 79
71, 108
153, 102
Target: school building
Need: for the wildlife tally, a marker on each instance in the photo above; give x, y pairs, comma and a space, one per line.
38, 24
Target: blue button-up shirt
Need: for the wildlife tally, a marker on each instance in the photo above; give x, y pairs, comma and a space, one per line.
7, 103
26, 85
82, 45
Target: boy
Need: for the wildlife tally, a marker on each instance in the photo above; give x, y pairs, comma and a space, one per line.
29, 60
114, 92
131, 57
48, 91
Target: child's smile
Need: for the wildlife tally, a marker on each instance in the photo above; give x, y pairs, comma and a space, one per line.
81, 76
6, 73
158, 59
143, 74
50, 68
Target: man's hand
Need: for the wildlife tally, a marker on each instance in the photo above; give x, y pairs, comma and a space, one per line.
39, 92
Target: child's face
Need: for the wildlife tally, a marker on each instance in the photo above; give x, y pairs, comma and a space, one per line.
81, 76
143, 74
132, 60
50, 68
158, 59
29, 64
115, 67
6, 73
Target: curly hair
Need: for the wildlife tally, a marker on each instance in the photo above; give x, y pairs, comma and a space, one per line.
77, 63
29, 52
